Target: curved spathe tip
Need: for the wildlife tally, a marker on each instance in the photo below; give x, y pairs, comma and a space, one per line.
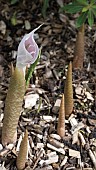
27, 50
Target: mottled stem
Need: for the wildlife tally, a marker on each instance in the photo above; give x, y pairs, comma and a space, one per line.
21, 158
61, 120
13, 107
79, 49
68, 92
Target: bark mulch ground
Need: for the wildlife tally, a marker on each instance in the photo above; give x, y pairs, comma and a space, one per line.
47, 151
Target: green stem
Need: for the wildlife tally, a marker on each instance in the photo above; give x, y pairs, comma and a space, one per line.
31, 70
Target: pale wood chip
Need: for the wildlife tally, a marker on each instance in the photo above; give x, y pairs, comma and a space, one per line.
74, 153
64, 161
49, 167
60, 150
1, 146
56, 106
38, 135
83, 142
75, 137
56, 143
92, 156
19, 142
55, 136
52, 159
73, 122
4, 152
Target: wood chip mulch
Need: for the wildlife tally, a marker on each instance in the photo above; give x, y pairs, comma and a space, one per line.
46, 150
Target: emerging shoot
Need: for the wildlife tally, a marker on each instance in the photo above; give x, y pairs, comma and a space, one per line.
68, 92
27, 54
21, 158
61, 120
79, 49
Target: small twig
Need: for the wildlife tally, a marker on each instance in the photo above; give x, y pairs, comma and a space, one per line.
55, 74
40, 103
82, 139
38, 158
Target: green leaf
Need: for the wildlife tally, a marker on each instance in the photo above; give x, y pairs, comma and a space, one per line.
72, 8
44, 8
82, 2
75, 6
90, 18
81, 19
94, 6
14, 2
93, 1
85, 9
94, 12
31, 70
40, 103
14, 19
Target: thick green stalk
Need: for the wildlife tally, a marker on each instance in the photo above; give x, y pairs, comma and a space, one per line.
13, 107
